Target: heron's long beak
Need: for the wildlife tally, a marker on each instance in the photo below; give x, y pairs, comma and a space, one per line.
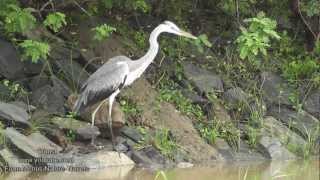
188, 35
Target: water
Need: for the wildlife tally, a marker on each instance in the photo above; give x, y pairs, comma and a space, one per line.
284, 170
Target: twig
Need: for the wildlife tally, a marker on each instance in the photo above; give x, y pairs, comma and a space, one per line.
82, 9
305, 22
46, 4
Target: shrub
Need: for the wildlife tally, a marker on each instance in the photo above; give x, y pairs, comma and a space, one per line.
35, 50
102, 32
257, 37
55, 21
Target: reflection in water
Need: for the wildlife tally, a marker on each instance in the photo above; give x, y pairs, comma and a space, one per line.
291, 170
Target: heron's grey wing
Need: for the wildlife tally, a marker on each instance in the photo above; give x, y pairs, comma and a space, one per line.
108, 66
101, 84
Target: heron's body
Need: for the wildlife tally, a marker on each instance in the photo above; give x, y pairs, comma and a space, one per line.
119, 72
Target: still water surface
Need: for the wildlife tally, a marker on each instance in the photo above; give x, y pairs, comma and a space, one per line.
284, 170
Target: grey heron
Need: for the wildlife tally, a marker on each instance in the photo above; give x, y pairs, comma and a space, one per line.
118, 72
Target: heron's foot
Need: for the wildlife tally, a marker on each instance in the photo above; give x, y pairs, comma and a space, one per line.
95, 146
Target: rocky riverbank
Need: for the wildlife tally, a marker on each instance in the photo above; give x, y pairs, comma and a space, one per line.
155, 127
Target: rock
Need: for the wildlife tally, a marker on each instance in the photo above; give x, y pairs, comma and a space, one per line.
224, 149
86, 133
165, 115
83, 130
275, 89
195, 98
110, 47
236, 96
52, 131
11, 160
184, 165
4, 92
101, 118
26, 107
74, 74
149, 157
44, 143
22, 143
11, 66
50, 99
219, 113
274, 149
301, 121
132, 134
102, 159
284, 134
246, 153
204, 81
39, 81
312, 103
61, 86
14, 114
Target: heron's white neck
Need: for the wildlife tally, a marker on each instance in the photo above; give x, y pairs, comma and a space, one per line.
147, 59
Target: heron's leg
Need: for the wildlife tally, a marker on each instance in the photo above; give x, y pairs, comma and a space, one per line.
93, 115
111, 100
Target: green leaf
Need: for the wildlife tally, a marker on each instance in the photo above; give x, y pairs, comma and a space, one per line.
204, 39
55, 21
102, 32
35, 50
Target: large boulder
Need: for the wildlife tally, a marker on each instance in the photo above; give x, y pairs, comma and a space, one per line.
312, 103
149, 157
13, 114
300, 121
204, 80
165, 115
21, 144
274, 149
284, 134
101, 117
49, 98
11, 66
275, 89
236, 96
82, 129
102, 159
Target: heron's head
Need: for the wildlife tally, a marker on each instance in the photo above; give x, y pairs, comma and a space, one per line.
170, 27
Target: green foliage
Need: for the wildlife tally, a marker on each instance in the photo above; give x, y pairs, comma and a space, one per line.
102, 32
253, 134
71, 135
298, 69
212, 130
202, 42
161, 174
18, 20
312, 146
183, 104
256, 38
135, 5
140, 38
140, 5
230, 7
16, 90
209, 132
55, 21
131, 110
165, 143
2, 136
311, 7
35, 50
